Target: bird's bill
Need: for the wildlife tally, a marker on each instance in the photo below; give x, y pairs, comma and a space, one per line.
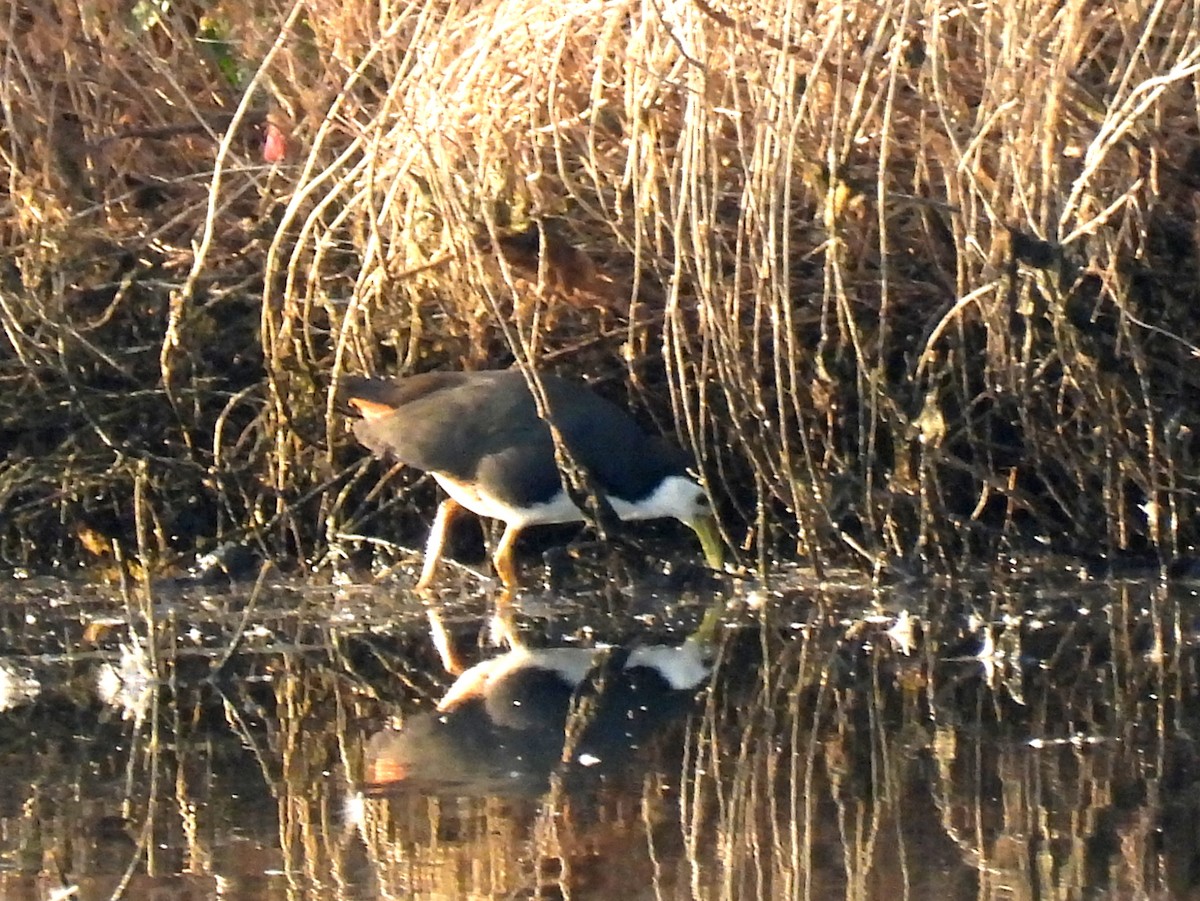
706, 529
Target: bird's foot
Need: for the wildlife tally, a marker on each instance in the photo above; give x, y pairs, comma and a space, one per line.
502, 628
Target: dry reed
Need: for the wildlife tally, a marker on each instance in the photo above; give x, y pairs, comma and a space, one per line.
911, 277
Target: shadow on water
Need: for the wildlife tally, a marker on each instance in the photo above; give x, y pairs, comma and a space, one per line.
1027, 736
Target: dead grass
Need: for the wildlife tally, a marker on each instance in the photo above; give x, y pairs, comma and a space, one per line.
912, 277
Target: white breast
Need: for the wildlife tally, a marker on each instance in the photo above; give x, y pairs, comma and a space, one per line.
675, 497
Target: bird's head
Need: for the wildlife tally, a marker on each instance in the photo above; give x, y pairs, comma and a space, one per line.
684, 499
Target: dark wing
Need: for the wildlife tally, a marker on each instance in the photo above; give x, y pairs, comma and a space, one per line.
451, 422
606, 440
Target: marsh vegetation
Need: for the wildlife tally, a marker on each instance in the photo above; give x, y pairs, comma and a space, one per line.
911, 279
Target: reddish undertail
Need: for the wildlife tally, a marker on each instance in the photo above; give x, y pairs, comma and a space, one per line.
370, 409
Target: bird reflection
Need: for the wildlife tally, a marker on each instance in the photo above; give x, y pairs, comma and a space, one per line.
509, 723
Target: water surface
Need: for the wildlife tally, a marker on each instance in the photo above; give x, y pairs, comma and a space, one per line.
1028, 735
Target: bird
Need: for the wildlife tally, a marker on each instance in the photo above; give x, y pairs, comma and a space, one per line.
480, 436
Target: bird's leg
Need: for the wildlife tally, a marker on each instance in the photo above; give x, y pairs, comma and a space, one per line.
502, 559
446, 512
502, 626
443, 644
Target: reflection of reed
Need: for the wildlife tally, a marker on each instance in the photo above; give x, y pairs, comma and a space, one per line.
492, 847
845, 770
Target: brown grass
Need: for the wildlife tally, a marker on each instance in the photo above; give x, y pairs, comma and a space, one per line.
914, 277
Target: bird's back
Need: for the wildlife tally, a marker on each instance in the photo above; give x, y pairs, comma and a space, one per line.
484, 427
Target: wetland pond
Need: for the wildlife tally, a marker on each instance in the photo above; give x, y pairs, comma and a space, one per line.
1025, 735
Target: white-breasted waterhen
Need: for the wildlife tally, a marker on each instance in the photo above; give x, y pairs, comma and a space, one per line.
479, 435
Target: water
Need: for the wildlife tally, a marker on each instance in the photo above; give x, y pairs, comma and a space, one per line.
1025, 736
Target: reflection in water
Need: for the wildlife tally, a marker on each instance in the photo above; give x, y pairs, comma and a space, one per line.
568, 746
127, 683
511, 722
1015, 741
18, 685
